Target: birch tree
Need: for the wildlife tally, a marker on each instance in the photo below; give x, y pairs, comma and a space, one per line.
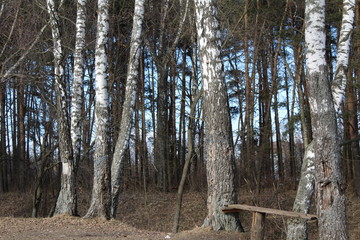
78, 80
128, 107
329, 181
297, 228
66, 201
100, 198
219, 147
343, 52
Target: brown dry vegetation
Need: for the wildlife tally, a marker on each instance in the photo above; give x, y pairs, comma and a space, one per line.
148, 216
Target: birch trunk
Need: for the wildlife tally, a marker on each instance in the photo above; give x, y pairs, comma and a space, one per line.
78, 80
219, 147
329, 183
343, 53
100, 198
128, 107
297, 229
66, 201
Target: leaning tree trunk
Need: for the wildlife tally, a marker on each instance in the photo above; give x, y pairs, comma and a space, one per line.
66, 201
297, 229
219, 147
190, 155
329, 185
343, 53
130, 94
100, 198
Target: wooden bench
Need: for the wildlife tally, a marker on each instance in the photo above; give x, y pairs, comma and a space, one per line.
259, 214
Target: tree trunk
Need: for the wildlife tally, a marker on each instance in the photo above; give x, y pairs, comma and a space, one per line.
189, 156
353, 106
291, 123
219, 146
265, 95
343, 51
77, 97
182, 129
131, 84
329, 175
330, 185
248, 146
173, 161
100, 198
66, 201
162, 137
21, 135
296, 227
194, 161
3, 173
144, 151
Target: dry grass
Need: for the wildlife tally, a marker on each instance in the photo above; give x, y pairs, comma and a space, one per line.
150, 216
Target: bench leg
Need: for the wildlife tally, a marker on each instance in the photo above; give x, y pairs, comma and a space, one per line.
258, 226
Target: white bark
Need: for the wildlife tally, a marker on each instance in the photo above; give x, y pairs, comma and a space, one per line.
127, 112
219, 147
343, 52
2, 7
78, 80
297, 229
66, 202
100, 198
329, 183
315, 35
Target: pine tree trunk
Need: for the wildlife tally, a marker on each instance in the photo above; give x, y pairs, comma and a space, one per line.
21, 135
144, 150
2, 139
219, 147
353, 110
162, 136
291, 123
248, 146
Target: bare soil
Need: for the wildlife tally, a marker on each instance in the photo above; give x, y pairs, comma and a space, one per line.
148, 216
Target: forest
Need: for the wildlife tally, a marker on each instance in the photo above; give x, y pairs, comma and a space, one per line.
108, 97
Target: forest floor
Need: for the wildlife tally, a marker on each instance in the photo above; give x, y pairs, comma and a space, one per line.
149, 216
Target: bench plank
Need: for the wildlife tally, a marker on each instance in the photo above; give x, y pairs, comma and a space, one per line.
237, 207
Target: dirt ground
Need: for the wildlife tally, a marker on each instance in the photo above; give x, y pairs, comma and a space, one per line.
147, 216
62, 227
